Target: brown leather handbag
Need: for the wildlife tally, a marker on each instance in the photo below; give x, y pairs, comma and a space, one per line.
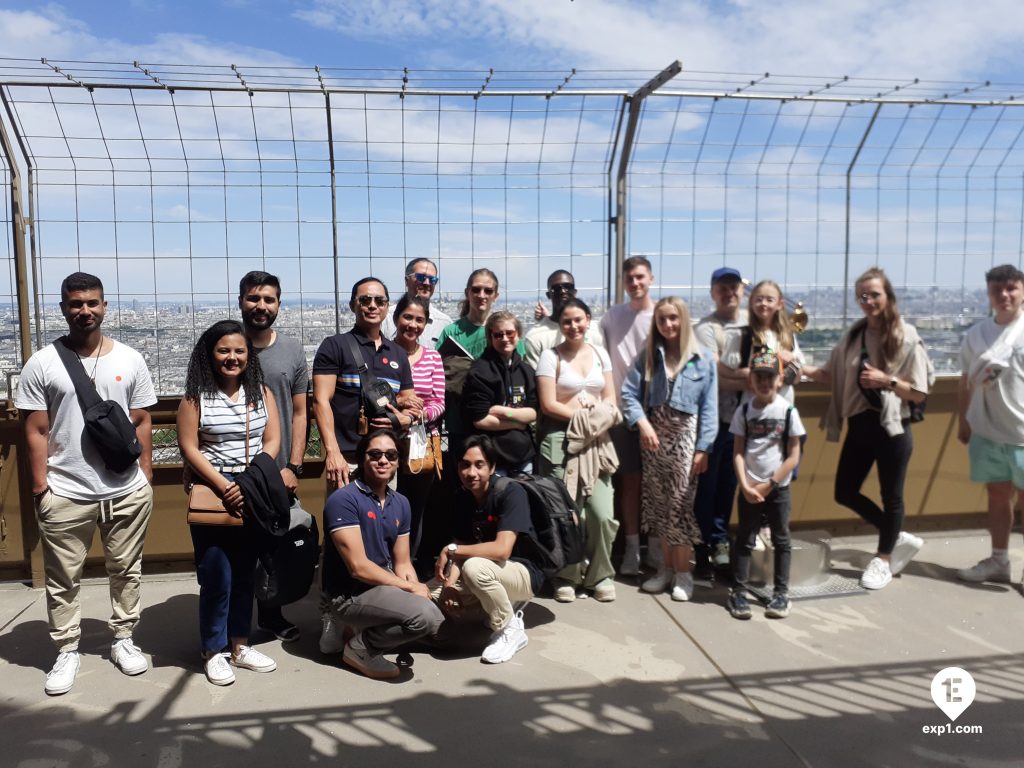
205, 507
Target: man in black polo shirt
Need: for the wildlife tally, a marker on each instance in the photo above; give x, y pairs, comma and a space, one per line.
336, 401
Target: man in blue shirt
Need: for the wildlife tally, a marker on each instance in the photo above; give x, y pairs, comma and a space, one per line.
377, 594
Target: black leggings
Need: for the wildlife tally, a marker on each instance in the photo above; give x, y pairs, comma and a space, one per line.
867, 443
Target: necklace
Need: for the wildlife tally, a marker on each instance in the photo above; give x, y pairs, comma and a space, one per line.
99, 348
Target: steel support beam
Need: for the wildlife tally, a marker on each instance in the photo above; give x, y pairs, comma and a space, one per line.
18, 232
635, 103
846, 250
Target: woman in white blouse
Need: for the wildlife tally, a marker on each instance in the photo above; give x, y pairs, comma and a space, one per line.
571, 377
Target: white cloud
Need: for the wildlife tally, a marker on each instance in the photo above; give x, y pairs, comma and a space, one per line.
935, 39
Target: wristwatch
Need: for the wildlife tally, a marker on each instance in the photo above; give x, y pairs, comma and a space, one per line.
892, 383
295, 468
452, 549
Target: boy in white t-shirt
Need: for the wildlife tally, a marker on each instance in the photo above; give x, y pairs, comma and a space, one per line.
766, 448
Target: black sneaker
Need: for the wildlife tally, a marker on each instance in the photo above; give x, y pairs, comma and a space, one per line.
739, 606
778, 608
283, 630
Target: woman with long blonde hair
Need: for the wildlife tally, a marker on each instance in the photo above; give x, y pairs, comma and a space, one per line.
671, 396
878, 369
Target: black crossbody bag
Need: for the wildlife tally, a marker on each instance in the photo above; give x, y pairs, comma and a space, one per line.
375, 395
106, 423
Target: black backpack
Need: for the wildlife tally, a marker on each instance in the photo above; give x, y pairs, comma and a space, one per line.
106, 423
559, 539
285, 573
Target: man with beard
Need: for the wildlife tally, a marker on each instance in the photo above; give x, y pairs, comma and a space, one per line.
421, 280
74, 490
286, 375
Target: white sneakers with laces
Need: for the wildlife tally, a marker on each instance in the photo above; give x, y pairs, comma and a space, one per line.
217, 669
907, 546
877, 575
251, 659
127, 657
506, 642
682, 587
61, 678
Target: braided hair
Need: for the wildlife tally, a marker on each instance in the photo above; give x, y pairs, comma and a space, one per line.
201, 379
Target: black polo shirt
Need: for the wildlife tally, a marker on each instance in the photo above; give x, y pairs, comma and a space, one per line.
388, 362
506, 511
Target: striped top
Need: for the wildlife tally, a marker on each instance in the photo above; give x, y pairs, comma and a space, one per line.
222, 429
428, 381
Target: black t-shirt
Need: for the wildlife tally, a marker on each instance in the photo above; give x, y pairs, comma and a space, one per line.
507, 511
388, 362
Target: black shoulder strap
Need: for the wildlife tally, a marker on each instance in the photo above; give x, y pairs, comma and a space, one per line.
785, 431
746, 346
357, 353
84, 386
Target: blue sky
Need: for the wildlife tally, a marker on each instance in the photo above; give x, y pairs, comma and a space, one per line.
934, 40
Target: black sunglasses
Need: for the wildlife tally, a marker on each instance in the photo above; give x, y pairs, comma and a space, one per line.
376, 454
561, 288
365, 301
486, 290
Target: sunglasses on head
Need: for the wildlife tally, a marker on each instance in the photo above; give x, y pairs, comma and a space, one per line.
365, 301
423, 277
376, 454
486, 290
562, 288
511, 333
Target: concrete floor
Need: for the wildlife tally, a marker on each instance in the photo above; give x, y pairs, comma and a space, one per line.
844, 681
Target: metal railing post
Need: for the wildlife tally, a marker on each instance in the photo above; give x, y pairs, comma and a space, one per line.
635, 102
18, 232
334, 218
846, 253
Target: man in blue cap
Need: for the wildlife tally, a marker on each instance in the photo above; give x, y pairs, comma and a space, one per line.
721, 332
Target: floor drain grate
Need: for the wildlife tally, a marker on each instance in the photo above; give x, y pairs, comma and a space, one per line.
834, 586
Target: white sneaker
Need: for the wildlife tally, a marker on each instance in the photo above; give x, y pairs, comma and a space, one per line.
988, 569
565, 593
682, 587
659, 582
60, 679
630, 561
127, 657
376, 667
250, 658
331, 641
218, 671
907, 547
877, 575
604, 591
506, 643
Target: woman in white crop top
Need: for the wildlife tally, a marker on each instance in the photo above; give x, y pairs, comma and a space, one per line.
571, 376
225, 383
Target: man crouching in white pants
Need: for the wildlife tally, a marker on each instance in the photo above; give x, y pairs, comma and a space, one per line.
486, 569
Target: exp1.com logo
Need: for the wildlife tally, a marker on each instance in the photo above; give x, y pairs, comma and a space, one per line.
953, 691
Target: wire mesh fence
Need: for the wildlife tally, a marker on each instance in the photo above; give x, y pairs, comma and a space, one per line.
172, 181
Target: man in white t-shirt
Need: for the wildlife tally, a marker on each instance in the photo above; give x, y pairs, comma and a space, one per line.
625, 328
420, 280
547, 333
716, 490
73, 489
991, 399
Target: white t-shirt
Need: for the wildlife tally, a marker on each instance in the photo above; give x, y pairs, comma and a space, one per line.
569, 382
764, 452
625, 334
74, 468
996, 410
547, 334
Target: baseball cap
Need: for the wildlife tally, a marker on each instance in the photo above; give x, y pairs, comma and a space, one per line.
725, 273
765, 361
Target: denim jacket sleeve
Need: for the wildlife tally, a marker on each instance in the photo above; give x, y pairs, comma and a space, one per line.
632, 408
707, 421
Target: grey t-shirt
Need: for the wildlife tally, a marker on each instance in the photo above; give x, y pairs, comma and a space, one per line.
285, 374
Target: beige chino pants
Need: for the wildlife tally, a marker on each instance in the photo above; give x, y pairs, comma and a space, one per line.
490, 586
66, 529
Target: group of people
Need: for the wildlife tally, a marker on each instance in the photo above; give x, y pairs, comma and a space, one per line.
651, 421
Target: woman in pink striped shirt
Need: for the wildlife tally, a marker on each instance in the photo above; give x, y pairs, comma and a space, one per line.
410, 316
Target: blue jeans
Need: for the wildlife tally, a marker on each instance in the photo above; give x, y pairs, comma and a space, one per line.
225, 559
716, 491
511, 470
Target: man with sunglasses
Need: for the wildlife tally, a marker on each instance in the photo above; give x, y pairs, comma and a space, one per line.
547, 333
421, 280
378, 597
337, 399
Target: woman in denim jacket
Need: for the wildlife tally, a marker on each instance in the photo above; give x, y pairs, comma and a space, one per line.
671, 396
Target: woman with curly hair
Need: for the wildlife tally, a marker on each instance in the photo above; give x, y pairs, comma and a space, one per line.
226, 417
876, 371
